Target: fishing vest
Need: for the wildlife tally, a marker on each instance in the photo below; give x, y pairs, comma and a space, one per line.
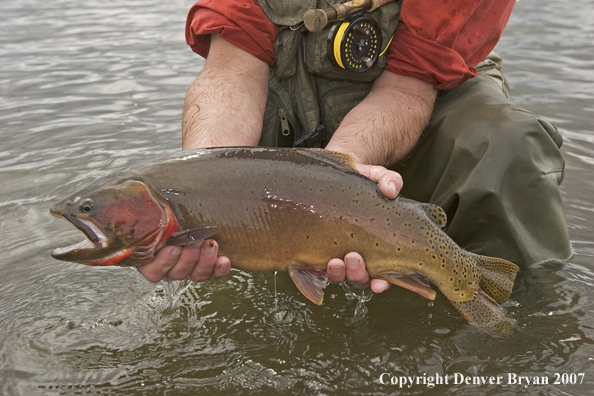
308, 94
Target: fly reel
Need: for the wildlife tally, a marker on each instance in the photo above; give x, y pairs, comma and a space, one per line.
355, 44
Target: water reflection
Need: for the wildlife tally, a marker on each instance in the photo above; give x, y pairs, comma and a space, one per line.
90, 87
228, 336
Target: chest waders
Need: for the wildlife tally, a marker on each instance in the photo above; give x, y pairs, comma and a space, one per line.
494, 167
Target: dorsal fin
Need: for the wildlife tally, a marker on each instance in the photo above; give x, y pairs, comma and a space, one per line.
333, 156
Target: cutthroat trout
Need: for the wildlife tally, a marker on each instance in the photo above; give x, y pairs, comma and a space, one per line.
275, 209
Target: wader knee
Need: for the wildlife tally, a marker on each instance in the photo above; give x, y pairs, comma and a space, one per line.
495, 168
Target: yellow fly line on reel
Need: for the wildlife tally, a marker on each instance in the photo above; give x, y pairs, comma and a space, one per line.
355, 45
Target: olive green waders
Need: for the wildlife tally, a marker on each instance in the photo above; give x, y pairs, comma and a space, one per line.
495, 169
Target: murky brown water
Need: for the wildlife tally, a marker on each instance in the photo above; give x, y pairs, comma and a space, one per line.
87, 87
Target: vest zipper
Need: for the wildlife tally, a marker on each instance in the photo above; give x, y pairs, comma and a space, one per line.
331, 92
285, 130
281, 106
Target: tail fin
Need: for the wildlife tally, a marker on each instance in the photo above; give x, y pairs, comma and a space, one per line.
484, 311
486, 315
498, 277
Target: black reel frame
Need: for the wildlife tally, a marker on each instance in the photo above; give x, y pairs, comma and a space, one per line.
355, 43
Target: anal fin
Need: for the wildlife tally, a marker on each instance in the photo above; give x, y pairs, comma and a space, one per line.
412, 283
194, 235
310, 281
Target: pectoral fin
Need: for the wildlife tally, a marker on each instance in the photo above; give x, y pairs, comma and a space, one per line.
310, 281
194, 235
412, 283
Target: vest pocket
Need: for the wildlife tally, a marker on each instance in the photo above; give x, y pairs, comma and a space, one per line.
337, 101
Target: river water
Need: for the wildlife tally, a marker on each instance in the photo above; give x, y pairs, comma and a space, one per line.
88, 87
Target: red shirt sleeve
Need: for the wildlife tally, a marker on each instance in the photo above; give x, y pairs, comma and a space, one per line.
439, 42
240, 22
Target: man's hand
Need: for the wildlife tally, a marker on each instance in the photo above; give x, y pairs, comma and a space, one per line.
198, 261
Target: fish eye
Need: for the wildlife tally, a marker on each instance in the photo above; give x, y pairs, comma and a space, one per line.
86, 205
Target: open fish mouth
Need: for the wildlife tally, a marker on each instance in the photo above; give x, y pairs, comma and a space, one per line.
95, 238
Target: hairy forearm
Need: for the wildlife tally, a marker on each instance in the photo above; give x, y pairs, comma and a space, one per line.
387, 124
225, 105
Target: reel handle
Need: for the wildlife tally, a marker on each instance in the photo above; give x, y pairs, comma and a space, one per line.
316, 20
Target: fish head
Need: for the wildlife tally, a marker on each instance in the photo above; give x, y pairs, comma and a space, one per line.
123, 220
